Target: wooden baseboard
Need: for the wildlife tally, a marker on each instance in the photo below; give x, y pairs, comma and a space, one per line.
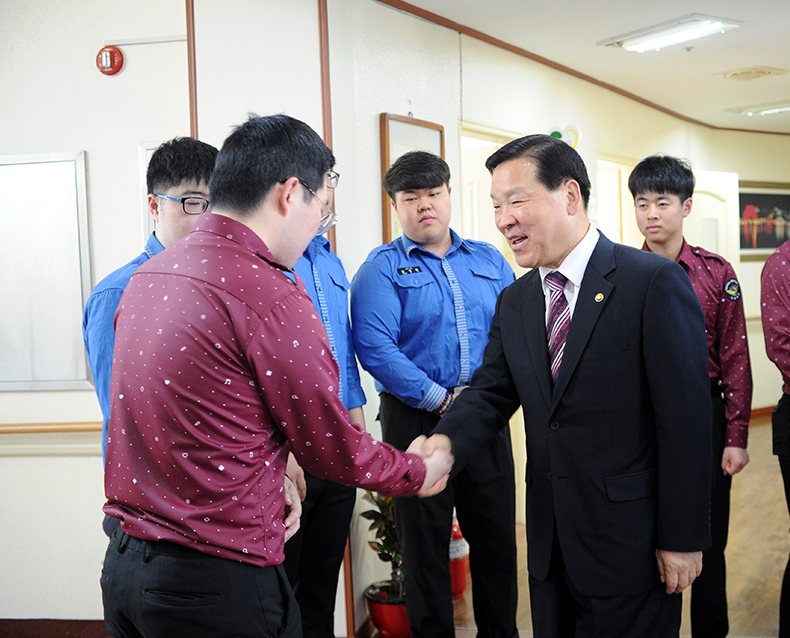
40, 628
366, 630
761, 412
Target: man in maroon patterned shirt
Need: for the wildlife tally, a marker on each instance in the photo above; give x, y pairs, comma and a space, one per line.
222, 366
775, 302
662, 187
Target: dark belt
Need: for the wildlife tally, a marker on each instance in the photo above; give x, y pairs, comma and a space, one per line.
152, 548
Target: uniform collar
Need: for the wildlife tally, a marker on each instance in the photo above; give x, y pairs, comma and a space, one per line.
685, 258
153, 246
318, 242
458, 243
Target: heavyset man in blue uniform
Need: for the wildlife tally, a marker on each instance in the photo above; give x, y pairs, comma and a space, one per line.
421, 308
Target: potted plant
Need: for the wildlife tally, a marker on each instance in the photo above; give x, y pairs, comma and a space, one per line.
386, 599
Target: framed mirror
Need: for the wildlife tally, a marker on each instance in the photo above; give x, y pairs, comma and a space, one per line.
401, 134
46, 272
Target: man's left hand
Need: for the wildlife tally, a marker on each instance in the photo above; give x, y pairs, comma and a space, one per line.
293, 509
734, 460
678, 569
295, 472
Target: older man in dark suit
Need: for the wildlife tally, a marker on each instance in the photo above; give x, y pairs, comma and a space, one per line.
604, 348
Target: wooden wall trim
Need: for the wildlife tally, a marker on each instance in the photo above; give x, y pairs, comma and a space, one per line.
762, 412
326, 113
326, 95
323, 42
349, 586
27, 428
191, 69
479, 35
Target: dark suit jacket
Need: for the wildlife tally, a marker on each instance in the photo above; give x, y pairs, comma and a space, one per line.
618, 450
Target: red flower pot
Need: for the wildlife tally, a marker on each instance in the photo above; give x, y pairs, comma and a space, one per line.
388, 616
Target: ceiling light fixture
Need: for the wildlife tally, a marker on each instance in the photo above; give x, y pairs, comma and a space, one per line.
762, 109
778, 109
663, 35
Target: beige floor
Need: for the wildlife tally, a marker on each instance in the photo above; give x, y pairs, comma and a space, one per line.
756, 553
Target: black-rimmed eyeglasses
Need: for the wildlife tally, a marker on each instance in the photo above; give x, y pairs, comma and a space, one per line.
329, 219
191, 205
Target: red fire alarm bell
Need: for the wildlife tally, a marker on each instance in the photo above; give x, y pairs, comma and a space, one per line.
109, 60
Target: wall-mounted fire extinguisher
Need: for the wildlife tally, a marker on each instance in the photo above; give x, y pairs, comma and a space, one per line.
459, 559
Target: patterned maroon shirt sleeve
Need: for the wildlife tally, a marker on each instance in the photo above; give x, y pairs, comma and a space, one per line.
290, 356
775, 309
733, 352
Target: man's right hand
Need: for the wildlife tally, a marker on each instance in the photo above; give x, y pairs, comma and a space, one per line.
437, 454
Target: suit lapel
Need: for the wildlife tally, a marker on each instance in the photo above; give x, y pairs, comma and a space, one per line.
593, 297
533, 313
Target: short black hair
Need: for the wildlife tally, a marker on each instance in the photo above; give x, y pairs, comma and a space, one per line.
179, 160
662, 174
556, 161
263, 152
416, 170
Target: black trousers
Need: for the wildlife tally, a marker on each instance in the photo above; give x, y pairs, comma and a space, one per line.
314, 554
559, 610
781, 445
483, 494
162, 590
709, 591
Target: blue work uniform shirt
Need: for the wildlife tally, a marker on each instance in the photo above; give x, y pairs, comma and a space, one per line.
98, 327
409, 331
325, 281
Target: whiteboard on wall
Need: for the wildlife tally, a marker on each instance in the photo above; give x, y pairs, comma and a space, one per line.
44, 272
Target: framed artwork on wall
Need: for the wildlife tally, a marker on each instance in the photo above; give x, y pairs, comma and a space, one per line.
764, 217
401, 134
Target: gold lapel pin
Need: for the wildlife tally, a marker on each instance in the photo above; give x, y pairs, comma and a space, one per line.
599, 297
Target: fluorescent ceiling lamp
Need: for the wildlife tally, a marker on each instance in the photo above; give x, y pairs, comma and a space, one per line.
778, 109
663, 35
762, 109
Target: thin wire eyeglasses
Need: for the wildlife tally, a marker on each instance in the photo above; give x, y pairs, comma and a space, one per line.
329, 219
191, 205
332, 178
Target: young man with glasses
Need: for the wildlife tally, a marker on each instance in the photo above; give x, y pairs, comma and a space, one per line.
222, 366
177, 179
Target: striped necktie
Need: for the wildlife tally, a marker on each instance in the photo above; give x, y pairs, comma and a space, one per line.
559, 319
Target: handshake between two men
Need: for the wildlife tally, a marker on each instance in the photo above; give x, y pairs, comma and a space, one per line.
437, 454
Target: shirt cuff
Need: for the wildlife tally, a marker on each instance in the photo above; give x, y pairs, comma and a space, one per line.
433, 398
737, 436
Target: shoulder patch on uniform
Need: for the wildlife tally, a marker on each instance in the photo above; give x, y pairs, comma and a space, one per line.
732, 290
413, 269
